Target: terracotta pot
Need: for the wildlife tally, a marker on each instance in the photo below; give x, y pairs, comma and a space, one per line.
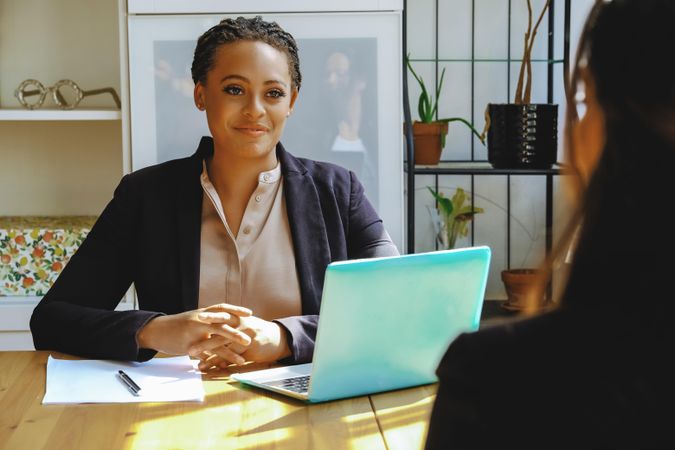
518, 283
428, 140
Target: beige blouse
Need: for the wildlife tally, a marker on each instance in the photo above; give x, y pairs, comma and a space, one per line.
256, 268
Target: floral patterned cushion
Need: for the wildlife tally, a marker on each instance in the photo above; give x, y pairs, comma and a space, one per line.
34, 250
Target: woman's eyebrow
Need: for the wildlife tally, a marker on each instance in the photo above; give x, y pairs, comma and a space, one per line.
276, 82
246, 80
235, 77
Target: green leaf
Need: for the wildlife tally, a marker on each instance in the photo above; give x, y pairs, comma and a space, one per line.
459, 197
421, 109
440, 84
419, 80
438, 93
465, 122
444, 203
467, 210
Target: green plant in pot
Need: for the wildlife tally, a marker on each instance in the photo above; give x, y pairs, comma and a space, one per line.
429, 133
523, 134
454, 215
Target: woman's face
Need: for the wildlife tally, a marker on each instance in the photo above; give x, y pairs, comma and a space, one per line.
248, 96
588, 134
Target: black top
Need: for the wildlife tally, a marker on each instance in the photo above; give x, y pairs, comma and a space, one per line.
571, 378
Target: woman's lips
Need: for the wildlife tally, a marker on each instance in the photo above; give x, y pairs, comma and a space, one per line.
252, 131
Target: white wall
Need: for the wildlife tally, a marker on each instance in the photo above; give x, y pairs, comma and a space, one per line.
527, 214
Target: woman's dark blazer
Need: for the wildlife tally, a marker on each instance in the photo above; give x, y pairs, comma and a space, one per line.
149, 235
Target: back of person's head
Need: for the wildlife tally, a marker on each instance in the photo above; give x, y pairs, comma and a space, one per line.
626, 45
244, 29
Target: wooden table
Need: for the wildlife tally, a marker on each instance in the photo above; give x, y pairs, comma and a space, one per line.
231, 417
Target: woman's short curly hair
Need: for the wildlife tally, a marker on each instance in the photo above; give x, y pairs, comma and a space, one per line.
244, 29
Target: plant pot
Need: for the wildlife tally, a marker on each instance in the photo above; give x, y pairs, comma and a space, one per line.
522, 136
518, 283
428, 140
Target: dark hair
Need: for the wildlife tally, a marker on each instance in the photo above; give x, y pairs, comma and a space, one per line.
243, 29
624, 46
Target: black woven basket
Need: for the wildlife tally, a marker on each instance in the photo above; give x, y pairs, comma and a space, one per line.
522, 136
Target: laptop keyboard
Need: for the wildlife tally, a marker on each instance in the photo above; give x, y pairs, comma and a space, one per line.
295, 384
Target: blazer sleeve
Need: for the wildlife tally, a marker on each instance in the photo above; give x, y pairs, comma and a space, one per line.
366, 237
77, 315
300, 334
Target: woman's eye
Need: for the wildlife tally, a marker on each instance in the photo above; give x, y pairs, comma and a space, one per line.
276, 93
233, 90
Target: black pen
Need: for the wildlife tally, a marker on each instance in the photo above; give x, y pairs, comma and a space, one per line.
128, 382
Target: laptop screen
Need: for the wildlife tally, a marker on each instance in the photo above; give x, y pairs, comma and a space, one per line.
386, 322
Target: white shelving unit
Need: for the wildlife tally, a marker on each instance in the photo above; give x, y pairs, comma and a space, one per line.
53, 161
16, 114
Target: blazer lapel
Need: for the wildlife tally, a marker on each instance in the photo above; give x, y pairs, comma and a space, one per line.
310, 241
189, 219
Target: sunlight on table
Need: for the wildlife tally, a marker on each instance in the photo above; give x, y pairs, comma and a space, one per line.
248, 419
404, 416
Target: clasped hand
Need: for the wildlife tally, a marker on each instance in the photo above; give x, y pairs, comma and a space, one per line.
219, 335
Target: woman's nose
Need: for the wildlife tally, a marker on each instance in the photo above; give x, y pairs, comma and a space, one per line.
254, 107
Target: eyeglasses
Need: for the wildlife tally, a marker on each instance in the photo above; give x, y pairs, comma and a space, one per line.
66, 94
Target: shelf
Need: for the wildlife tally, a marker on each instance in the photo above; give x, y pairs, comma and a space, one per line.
17, 114
484, 60
479, 168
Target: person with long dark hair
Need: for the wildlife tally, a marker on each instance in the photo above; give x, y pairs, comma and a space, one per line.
593, 370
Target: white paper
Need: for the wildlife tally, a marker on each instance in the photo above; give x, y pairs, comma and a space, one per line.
96, 381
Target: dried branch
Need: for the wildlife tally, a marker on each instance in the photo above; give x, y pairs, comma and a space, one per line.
526, 64
521, 75
528, 86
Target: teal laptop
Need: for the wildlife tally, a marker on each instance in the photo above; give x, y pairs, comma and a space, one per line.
385, 324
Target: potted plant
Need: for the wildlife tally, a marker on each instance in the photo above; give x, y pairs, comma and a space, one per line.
523, 134
429, 133
453, 217
518, 284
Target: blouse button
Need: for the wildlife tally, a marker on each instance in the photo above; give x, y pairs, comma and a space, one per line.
247, 230
258, 198
266, 177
